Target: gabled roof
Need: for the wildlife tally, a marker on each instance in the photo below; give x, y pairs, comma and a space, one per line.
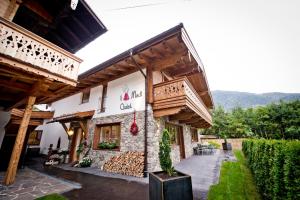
171, 52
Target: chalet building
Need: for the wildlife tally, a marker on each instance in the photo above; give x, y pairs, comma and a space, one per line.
128, 100
38, 39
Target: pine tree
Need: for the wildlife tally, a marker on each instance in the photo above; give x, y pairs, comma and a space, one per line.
164, 153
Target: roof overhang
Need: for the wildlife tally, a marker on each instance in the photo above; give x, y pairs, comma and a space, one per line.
171, 52
58, 23
78, 116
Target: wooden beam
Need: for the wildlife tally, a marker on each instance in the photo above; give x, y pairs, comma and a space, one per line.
150, 90
38, 9
168, 48
81, 25
65, 127
166, 112
39, 86
73, 35
168, 61
182, 116
16, 86
34, 115
191, 120
31, 122
83, 126
15, 156
10, 10
156, 53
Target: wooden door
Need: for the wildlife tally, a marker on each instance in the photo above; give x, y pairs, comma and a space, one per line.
76, 138
181, 142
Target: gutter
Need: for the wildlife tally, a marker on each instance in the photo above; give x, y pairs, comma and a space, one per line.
146, 115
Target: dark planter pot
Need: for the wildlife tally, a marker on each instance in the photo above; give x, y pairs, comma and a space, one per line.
172, 188
226, 146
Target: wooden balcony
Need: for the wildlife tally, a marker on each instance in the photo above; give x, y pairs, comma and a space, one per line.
20, 48
178, 99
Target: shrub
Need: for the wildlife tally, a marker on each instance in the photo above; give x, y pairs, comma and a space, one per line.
276, 167
107, 145
164, 153
85, 162
215, 144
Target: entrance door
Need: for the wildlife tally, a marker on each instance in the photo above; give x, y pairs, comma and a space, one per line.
181, 143
176, 134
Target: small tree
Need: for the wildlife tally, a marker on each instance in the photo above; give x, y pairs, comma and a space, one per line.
164, 154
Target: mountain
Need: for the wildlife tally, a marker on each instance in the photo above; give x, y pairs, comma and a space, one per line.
231, 99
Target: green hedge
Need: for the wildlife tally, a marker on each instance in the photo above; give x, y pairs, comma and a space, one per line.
276, 167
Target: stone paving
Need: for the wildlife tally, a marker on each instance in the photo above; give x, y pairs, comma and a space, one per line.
204, 170
96, 171
30, 184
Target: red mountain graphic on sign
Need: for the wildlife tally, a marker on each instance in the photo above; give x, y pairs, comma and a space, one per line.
126, 96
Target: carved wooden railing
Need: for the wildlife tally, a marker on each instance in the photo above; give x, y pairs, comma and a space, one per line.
177, 92
25, 46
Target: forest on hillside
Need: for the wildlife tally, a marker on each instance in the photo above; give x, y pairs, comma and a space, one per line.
273, 121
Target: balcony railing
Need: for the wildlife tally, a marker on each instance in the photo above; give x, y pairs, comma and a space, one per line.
179, 93
25, 46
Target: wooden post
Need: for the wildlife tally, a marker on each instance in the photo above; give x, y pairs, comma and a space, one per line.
15, 156
149, 84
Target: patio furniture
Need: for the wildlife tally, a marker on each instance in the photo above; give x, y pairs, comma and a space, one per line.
203, 149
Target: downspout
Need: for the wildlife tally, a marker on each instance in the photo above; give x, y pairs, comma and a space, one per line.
146, 114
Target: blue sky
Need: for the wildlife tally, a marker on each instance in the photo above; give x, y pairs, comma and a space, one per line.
251, 46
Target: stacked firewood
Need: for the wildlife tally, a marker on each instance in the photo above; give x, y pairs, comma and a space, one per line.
129, 163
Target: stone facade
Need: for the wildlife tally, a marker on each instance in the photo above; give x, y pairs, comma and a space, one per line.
128, 142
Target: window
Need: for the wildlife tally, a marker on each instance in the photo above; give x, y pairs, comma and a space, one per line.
104, 98
85, 96
108, 135
194, 133
35, 137
174, 132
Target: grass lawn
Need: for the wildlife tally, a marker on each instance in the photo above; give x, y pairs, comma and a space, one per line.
52, 197
236, 182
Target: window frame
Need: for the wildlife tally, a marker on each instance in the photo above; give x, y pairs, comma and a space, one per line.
103, 99
83, 98
174, 141
97, 136
194, 135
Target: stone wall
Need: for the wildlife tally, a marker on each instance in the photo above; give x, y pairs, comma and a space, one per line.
153, 144
188, 144
128, 142
236, 143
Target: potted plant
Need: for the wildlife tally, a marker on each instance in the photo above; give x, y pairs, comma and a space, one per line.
226, 145
107, 145
169, 184
85, 162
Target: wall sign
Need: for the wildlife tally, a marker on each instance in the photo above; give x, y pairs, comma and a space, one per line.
128, 96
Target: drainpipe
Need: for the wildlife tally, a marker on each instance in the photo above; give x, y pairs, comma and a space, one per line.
146, 113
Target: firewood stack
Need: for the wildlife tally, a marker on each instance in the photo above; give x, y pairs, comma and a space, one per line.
129, 163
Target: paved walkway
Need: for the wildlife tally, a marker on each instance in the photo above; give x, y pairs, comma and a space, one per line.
30, 184
96, 184
96, 171
205, 171
98, 187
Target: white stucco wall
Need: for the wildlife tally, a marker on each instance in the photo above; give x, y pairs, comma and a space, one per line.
69, 105
4, 118
72, 104
116, 103
134, 86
